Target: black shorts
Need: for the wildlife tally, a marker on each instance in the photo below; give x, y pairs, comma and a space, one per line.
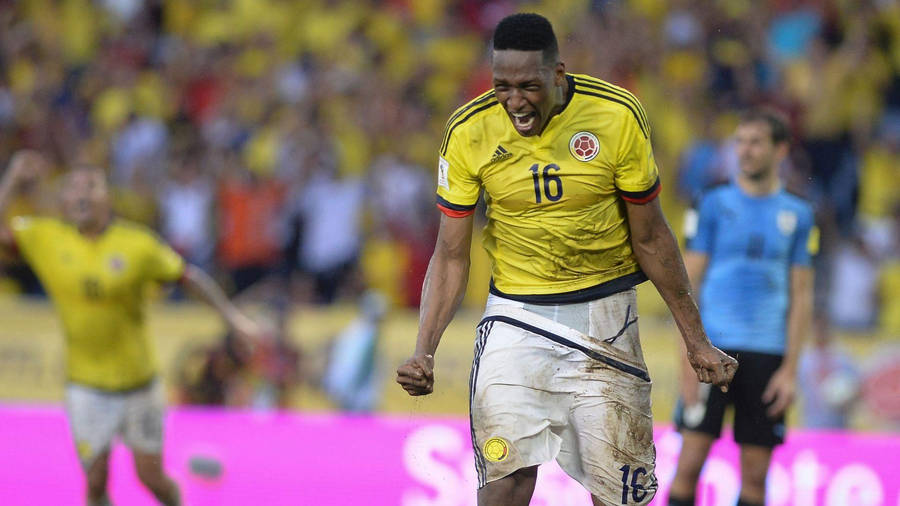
751, 424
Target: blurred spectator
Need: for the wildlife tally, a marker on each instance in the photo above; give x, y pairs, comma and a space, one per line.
229, 373
186, 207
330, 210
214, 376
251, 235
829, 381
702, 164
402, 209
852, 302
352, 378
140, 145
889, 279
276, 365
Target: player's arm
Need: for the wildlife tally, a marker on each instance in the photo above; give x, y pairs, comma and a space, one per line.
199, 283
25, 167
442, 292
695, 263
781, 390
657, 253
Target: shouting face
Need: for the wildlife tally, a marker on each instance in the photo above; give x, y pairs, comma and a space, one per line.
528, 87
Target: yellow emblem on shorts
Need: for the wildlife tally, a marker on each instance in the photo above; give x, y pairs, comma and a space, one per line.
496, 449
84, 449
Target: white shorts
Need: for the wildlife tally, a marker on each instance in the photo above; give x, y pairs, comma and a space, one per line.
97, 416
541, 390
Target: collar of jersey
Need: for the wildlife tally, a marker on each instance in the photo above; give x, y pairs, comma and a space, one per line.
570, 92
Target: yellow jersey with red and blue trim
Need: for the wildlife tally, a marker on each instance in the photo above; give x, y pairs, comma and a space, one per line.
557, 230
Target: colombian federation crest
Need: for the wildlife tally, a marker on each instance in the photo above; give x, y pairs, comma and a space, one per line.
584, 146
496, 449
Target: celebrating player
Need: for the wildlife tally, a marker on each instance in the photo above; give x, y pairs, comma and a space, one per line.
96, 269
749, 244
573, 225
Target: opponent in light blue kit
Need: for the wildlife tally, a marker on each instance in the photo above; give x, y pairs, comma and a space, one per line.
751, 243
749, 250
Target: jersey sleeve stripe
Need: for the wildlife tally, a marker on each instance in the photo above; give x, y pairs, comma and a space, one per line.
463, 120
442, 202
597, 84
644, 196
462, 110
623, 102
454, 213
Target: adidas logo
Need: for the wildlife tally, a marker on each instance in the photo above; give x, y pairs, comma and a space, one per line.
500, 154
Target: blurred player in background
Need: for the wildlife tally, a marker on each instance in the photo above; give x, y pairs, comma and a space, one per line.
97, 269
749, 247
573, 225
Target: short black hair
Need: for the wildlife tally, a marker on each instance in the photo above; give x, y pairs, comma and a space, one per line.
527, 32
778, 122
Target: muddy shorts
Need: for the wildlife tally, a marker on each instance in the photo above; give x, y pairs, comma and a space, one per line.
541, 390
97, 416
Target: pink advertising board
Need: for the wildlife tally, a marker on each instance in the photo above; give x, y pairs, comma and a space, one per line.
238, 458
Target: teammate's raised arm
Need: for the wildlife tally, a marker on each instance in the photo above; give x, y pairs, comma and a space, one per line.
25, 167
201, 284
657, 253
442, 292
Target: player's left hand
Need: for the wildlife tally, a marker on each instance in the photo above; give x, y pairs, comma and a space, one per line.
780, 392
712, 365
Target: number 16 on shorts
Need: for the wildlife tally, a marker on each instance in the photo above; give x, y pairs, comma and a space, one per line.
630, 484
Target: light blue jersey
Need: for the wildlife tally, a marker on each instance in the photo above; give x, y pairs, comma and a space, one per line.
751, 243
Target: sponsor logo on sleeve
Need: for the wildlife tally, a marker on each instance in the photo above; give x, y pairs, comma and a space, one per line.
443, 169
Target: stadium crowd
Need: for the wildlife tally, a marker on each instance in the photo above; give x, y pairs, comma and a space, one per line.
275, 139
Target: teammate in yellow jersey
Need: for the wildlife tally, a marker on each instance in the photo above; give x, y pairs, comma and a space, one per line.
96, 269
570, 183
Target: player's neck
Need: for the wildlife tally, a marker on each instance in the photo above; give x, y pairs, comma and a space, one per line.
561, 93
96, 229
767, 184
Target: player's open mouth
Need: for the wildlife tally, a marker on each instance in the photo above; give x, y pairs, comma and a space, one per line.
523, 121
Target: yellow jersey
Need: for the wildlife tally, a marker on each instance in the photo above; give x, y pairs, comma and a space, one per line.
99, 289
557, 230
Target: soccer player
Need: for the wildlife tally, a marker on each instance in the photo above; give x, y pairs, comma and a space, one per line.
96, 269
573, 225
749, 247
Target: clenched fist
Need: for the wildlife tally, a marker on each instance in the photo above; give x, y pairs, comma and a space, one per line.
416, 375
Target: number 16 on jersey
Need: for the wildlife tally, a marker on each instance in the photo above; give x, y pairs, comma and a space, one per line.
536, 176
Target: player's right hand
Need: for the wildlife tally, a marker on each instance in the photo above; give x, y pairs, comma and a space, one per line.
712, 365
416, 375
26, 166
